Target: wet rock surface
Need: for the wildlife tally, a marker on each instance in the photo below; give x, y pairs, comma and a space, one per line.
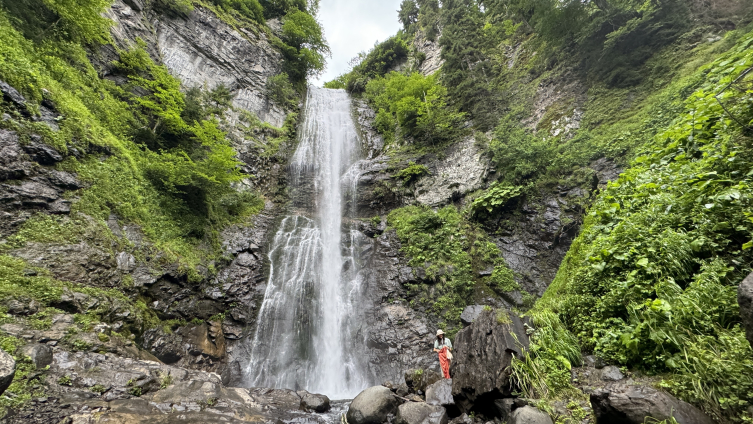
529, 415
372, 406
535, 233
89, 387
470, 313
440, 393
463, 169
421, 413
627, 402
399, 337
483, 354
27, 182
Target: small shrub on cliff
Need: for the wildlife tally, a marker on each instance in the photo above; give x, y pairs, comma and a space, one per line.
412, 172
495, 198
451, 250
281, 90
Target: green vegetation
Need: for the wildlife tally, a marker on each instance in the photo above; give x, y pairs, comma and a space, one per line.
412, 172
163, 150
651, 282
98, 388
494, 198
26, 382
303, 46
451, 251
379, 61
412, 106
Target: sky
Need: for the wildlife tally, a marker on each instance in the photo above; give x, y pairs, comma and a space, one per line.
353, 26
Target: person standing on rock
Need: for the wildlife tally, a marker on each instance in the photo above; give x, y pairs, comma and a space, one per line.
443, 346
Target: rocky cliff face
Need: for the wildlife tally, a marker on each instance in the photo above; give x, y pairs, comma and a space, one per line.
533, 233
202, 50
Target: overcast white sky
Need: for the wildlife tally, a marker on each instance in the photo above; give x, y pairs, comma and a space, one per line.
352, 26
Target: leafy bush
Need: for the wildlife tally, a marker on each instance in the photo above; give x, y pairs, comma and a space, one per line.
173, 7
304, 46
281, 91
250, 9
279, 8
379, 61
413, 106
495, 198
412, 172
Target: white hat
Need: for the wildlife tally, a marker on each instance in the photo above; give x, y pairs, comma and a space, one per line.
440, 333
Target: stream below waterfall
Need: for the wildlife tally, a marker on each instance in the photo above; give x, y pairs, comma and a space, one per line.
311, 330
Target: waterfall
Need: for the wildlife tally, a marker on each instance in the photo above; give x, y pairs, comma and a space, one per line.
309, 331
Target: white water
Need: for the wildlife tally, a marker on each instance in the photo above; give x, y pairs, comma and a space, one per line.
309, 327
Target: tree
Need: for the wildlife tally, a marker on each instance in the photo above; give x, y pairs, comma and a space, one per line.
467, 71
408, 14
305, 48
428, 18
280, 8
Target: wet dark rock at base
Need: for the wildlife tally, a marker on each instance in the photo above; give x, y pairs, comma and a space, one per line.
611, 373
440, 393
483, 353
625, 402
314, 402
88, 387
40, 354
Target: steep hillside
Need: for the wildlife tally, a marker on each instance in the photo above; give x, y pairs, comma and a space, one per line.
496, 163
143, 146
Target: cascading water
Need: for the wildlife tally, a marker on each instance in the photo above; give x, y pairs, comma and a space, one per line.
309, 333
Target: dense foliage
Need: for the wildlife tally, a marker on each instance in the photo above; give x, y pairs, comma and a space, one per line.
652, 280
650, 283
451, 252
412, 106
304, 45
380, 60
166, 153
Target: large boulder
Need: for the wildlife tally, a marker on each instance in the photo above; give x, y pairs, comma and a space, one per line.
440, 393
626, 403
530, 415
7, 370
314, 402
372, 406
745, 299
419, 380
483, 354
420, 413
40, 354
